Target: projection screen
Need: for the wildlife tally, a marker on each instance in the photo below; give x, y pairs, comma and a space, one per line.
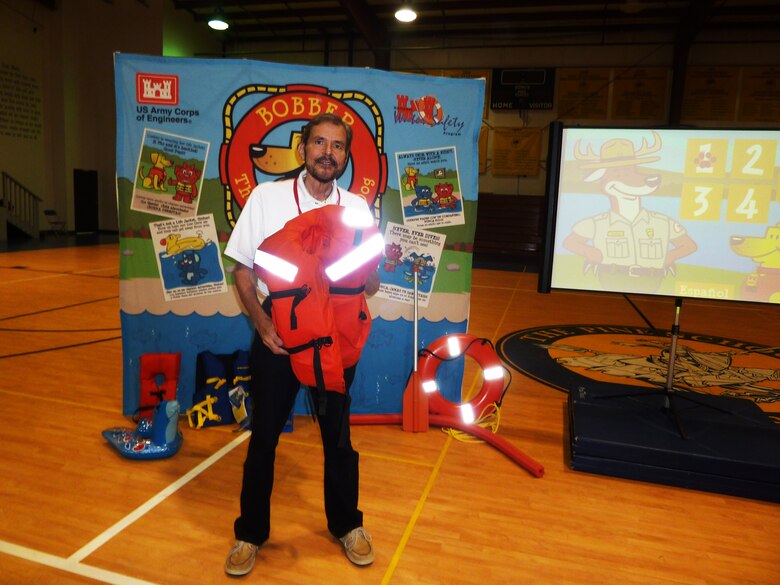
675, 212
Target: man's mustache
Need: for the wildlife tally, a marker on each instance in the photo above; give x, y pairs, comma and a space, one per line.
326, 160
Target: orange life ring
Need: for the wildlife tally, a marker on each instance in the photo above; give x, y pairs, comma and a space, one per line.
443, 349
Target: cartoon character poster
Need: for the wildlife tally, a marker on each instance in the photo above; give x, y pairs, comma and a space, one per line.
188, 257
170, 174
409, 253
245, 131
431, 195
686, 213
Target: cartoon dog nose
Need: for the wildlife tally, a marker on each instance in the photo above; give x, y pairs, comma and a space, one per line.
257, 150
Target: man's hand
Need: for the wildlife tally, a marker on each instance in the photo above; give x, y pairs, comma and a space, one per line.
247, 292
372, 284
265, 327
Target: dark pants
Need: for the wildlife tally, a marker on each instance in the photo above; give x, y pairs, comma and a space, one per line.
273, 389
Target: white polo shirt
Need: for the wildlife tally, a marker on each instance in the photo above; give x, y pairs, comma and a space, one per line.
271, 205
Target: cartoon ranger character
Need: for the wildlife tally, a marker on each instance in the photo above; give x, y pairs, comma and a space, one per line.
629, 247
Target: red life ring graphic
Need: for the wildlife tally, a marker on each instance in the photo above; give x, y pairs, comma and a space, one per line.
429, 109
450, 347
294, 105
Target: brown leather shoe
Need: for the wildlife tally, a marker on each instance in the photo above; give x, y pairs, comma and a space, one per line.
241, 558
357, 546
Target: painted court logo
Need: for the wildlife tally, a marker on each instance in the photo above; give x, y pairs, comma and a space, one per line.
151, 88
569, 356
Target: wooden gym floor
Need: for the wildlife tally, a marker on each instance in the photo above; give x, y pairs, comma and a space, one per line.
441, 511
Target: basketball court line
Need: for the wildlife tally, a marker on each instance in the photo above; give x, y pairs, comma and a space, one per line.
73, 563
68, 565
398, 553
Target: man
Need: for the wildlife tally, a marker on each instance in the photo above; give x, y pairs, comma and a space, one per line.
324, 147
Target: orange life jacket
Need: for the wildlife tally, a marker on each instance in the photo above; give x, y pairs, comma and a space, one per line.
323, 323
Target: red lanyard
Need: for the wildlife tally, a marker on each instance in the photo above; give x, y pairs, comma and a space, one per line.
298, 203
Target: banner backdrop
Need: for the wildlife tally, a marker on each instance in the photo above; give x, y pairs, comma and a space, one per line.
194, 136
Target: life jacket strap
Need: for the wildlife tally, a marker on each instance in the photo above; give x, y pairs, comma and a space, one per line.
316, 344
345, 290
298, 295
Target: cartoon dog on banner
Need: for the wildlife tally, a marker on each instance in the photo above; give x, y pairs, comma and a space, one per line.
247, 151
156, 175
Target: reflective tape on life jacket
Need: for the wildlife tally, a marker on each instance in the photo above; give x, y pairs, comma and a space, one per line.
316, 268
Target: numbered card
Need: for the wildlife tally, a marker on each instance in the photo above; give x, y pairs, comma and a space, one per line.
706, 158
748, 203
754, 159
700, 201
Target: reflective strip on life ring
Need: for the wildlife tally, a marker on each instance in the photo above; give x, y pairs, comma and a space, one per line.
449, 347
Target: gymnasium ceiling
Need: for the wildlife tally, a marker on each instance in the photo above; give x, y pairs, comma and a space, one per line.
496, 23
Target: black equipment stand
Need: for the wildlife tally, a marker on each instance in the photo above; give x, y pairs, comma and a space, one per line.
668, 391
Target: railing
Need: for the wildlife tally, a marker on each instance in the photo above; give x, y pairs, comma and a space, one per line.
22, 206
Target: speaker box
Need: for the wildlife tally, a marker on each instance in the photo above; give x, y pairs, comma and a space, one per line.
85, 201
712, 443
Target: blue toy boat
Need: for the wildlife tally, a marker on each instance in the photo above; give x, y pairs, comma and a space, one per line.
157, 439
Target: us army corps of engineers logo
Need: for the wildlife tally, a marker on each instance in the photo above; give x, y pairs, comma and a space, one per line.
569, 356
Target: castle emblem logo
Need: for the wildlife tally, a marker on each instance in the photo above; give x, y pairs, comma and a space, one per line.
156, 89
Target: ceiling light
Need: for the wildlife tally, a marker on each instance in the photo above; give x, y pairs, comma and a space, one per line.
405, 13
218, 22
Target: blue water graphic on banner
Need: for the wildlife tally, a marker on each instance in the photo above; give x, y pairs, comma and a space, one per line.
193, 334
